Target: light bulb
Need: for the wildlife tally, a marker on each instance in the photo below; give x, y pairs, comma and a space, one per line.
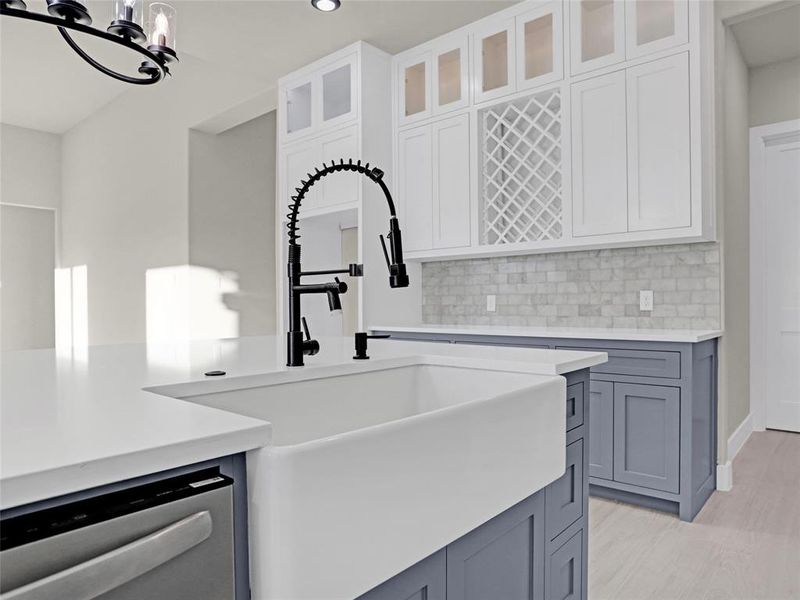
326, 5
160, 30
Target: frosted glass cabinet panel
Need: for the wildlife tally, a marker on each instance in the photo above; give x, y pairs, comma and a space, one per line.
495, 73
414, 88
655, 25
450, 76
597, 33
539, 46
336, 96
299, 108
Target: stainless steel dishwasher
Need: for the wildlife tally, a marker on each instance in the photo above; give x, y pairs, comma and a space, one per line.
170, 539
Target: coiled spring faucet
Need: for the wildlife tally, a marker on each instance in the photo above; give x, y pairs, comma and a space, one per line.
297, 346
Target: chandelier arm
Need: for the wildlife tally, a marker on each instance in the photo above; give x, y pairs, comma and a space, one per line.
64, 24
157, 74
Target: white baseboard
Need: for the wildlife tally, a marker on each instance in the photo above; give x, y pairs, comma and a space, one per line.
735, 443
739, 437
725, 477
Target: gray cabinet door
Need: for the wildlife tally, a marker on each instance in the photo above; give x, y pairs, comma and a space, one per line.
563, 499
426, 580
647, 435
574, 405
601, 430
502, 559
564, 571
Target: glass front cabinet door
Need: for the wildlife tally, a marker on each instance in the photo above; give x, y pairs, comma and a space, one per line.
539, 36
339, 97
450, 62
299, 109
493, 49
414, 77
597, 34
655, 25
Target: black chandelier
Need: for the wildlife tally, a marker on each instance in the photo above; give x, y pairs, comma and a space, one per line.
125, 30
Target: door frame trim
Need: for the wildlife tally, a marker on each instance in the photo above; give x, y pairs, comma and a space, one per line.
760, 137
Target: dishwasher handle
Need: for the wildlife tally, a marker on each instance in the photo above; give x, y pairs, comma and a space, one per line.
119, 566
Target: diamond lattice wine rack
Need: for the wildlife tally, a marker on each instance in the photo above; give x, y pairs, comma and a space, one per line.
521, 172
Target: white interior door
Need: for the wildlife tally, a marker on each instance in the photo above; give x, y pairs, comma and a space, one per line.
27, 294
782, 284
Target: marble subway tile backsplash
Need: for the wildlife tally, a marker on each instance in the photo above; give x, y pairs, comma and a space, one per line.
589, 288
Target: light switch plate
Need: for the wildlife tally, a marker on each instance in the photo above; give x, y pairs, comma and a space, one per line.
491, 303
646, 300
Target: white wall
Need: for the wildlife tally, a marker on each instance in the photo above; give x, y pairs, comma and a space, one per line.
232, 217
775, 92
735, 345
30, 176
126, 189
30, 167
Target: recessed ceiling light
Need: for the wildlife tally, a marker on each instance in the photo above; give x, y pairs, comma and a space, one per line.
326, 5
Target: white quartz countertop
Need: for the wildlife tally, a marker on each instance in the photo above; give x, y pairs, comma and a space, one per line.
578, 333
75, 421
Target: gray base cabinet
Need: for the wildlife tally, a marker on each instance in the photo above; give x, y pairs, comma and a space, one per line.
653, 425
535, 550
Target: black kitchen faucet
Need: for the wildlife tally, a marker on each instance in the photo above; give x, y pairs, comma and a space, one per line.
297, 346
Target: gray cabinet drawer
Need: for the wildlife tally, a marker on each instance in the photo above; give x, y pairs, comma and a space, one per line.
601, 430
574, 405
647, 436
564, 497
503, 558
641, 363
426, 580
564, 579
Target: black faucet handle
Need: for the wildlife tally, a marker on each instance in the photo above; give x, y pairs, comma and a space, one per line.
385, 252
310, 347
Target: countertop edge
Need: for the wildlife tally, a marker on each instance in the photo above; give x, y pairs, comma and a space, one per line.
642, 335
19, 490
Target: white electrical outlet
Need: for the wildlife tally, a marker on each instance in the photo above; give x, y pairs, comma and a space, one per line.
646, 300
491, 303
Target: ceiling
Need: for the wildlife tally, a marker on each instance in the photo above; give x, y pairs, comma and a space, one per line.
45, 86
770, 36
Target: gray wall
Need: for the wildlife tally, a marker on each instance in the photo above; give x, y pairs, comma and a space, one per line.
594, 288
774, 92
232, 215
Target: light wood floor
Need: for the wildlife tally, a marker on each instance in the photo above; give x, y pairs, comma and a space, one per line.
744, 544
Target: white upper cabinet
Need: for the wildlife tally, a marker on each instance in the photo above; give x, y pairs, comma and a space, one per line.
322, 100
659, 152
450, 62
494, 60
296, 160
599, 156
336, 146
414, 89
597, 34
415, 187
451, 177
539, 47
655, 25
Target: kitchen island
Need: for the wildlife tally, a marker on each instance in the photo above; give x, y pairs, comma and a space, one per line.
77, 422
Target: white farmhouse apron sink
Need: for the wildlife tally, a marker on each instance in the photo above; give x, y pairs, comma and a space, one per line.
375, 465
